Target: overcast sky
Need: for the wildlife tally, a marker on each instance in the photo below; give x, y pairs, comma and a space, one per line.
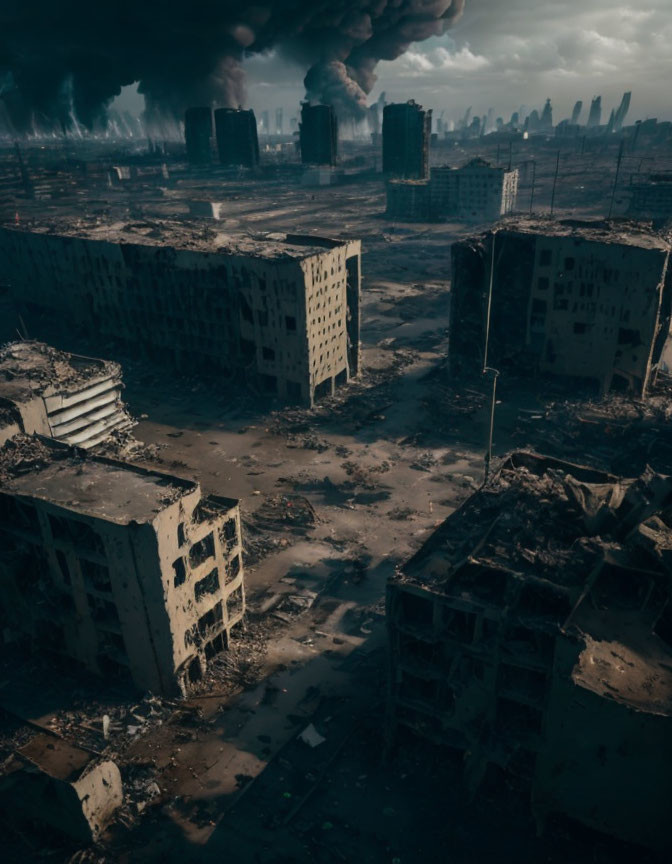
508, 53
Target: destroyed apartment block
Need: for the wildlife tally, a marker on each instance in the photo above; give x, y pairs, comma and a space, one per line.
76, 400
476, 192
126, 570
407, 131
53, 782
533, 632
585, 300
651, 197
280, 312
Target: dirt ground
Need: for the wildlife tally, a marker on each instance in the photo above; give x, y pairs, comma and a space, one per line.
225, 776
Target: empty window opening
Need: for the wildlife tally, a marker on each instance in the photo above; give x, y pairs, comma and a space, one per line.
180, 572
202, 550
208, 585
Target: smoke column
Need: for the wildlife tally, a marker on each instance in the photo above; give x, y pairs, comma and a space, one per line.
61, 59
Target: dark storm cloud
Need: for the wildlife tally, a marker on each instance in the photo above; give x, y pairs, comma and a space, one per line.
59, 55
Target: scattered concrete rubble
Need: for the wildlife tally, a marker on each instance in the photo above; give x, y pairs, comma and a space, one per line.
49, 780
533, 631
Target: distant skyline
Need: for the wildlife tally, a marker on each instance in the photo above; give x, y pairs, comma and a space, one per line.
512, 53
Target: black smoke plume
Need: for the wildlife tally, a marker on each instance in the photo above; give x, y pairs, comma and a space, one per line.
61, 59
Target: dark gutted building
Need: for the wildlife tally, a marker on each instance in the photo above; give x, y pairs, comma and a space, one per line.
407, 131
533, 633
318, 134
237, 141
198, 135
584, 300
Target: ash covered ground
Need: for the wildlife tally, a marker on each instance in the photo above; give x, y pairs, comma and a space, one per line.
333, 500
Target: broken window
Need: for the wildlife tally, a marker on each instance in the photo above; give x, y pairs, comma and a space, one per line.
543, 601
460, 625
235, 602
580, 328
211, 620
418, 689
16, 514
63, 564
628, 337
181, 537
228, 534
269, 383
267, 353
527, 684
208, 585
620, 588
76, 533
545, 257
262, 317
569, 263
514, 720
180, 572
245, 310
202, 550
290, 322
103, 612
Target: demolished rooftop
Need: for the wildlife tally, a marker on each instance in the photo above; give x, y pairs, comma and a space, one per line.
544, 600
76, 400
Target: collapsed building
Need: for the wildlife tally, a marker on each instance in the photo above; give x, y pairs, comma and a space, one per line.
407, 129
53, 782
126, 570
281, 312
585, 300
651, 197
475, 192
318, 134
533, 632
237, 140
198, 135
76, 400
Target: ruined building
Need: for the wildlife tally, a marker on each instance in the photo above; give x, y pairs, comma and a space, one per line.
123, 569
533, 632
651, 197
406, 135
198, 135
318, 134
280, 312
585, 300
76, 400
475, 192
237, 141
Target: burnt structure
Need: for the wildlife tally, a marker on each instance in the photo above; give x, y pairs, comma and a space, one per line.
533, 632
198, 135
237, 140
407, 132
123, 569
76, 400
318, 134
281, 312
584, 300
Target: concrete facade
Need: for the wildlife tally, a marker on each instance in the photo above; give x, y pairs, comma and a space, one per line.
76, 400
123, 569
281, 312
532, 632
585, 300
651, 198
